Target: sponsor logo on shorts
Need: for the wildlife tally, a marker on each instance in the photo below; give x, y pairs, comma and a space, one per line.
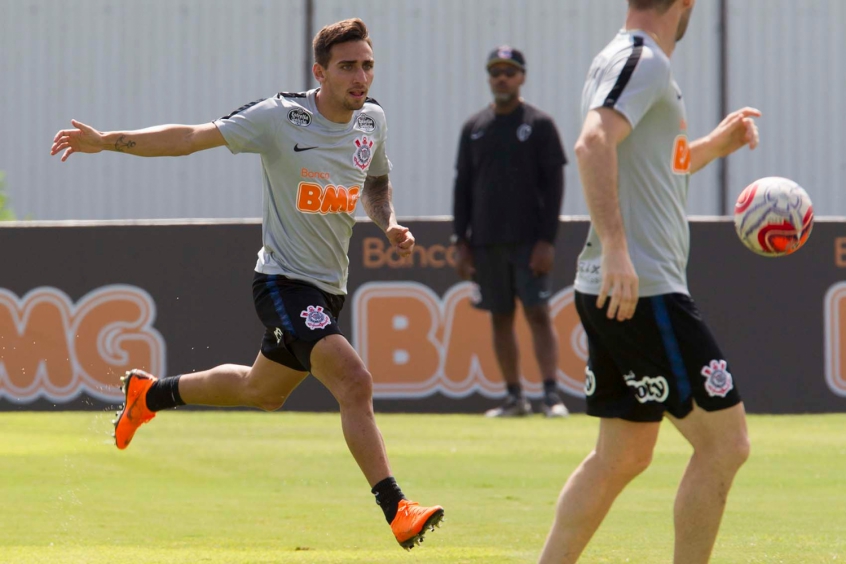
363, 152
365, 123
590, 381
718, 381
523, 132
315, 318
299, 117
278, 335
648, 388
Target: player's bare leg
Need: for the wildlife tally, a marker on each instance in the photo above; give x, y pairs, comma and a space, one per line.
623, 450
720, 447
265, 385
337, 365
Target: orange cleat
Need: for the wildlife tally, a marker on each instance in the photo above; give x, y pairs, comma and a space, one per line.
134, 413
411, 522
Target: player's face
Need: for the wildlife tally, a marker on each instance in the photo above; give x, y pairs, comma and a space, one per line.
685, 19
346, 80
505, 80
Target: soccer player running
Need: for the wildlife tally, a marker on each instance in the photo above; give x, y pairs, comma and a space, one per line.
321, 150
650, 353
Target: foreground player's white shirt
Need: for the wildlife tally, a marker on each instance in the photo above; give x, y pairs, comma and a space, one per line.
632, 75
314, 172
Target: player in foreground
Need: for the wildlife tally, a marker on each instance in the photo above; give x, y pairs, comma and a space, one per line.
321, 150
650, 353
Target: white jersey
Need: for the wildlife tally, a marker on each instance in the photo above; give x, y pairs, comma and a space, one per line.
314, 172
632, 75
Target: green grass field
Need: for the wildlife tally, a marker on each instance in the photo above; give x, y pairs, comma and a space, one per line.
239, 487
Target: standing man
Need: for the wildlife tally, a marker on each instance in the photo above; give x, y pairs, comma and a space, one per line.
508, 191
334, 133
650, 353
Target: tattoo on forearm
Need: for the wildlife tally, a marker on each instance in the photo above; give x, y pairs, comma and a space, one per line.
122, 144
377, 200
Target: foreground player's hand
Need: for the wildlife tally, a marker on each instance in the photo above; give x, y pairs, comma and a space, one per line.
82, 139
619, 279
464, 265
402, 239
735, 131
543, 257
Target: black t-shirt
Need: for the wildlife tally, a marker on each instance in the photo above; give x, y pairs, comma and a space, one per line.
509, 180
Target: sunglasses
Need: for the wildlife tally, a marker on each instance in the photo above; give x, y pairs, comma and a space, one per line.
510, 72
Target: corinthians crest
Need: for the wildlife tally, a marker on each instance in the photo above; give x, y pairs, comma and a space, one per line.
718, 381
363, 152
315, 318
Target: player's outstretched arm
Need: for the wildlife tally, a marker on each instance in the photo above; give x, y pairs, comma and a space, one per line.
158, 141
376, 198
596, 151
735, 131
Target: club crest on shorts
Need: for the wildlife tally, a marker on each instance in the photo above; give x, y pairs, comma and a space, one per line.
365, 123
523, 132
278, 335
363, 152
299, 117
315, 318
590, 381
718, 380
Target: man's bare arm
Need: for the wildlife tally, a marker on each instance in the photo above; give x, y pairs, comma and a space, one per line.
376, 198
158, 141
596, 151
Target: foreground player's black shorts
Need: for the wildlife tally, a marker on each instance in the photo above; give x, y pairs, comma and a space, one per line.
295, 315
663, 358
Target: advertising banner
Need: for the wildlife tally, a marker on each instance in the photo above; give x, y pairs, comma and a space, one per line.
81, 304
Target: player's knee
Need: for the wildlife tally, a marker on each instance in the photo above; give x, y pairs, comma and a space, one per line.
357, 388
626, 465
736, 451
729, 452
269, 403
635, 463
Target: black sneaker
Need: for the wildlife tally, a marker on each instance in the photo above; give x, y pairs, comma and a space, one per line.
553, 406
513, 407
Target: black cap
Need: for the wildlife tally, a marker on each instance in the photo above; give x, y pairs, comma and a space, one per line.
506, 54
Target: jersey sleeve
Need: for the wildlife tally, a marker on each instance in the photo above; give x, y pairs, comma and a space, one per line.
249, 129
631, 83
380, 165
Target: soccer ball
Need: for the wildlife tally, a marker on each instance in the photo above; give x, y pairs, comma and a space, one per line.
773, 216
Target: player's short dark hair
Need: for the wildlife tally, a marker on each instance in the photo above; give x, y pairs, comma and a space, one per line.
339, 32
660, 5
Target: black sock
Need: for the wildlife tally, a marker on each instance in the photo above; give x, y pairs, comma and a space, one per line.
164, 394
550, 392
514, 390
388, 495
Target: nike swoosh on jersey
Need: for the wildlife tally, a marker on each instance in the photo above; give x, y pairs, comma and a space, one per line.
298, 149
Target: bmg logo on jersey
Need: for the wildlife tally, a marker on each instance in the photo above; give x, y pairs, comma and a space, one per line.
648, 388
314, 198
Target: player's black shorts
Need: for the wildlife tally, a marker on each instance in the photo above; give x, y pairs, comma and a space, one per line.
663, 358
296, 315
503, 273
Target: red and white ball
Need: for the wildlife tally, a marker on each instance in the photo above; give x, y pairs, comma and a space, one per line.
773, 216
